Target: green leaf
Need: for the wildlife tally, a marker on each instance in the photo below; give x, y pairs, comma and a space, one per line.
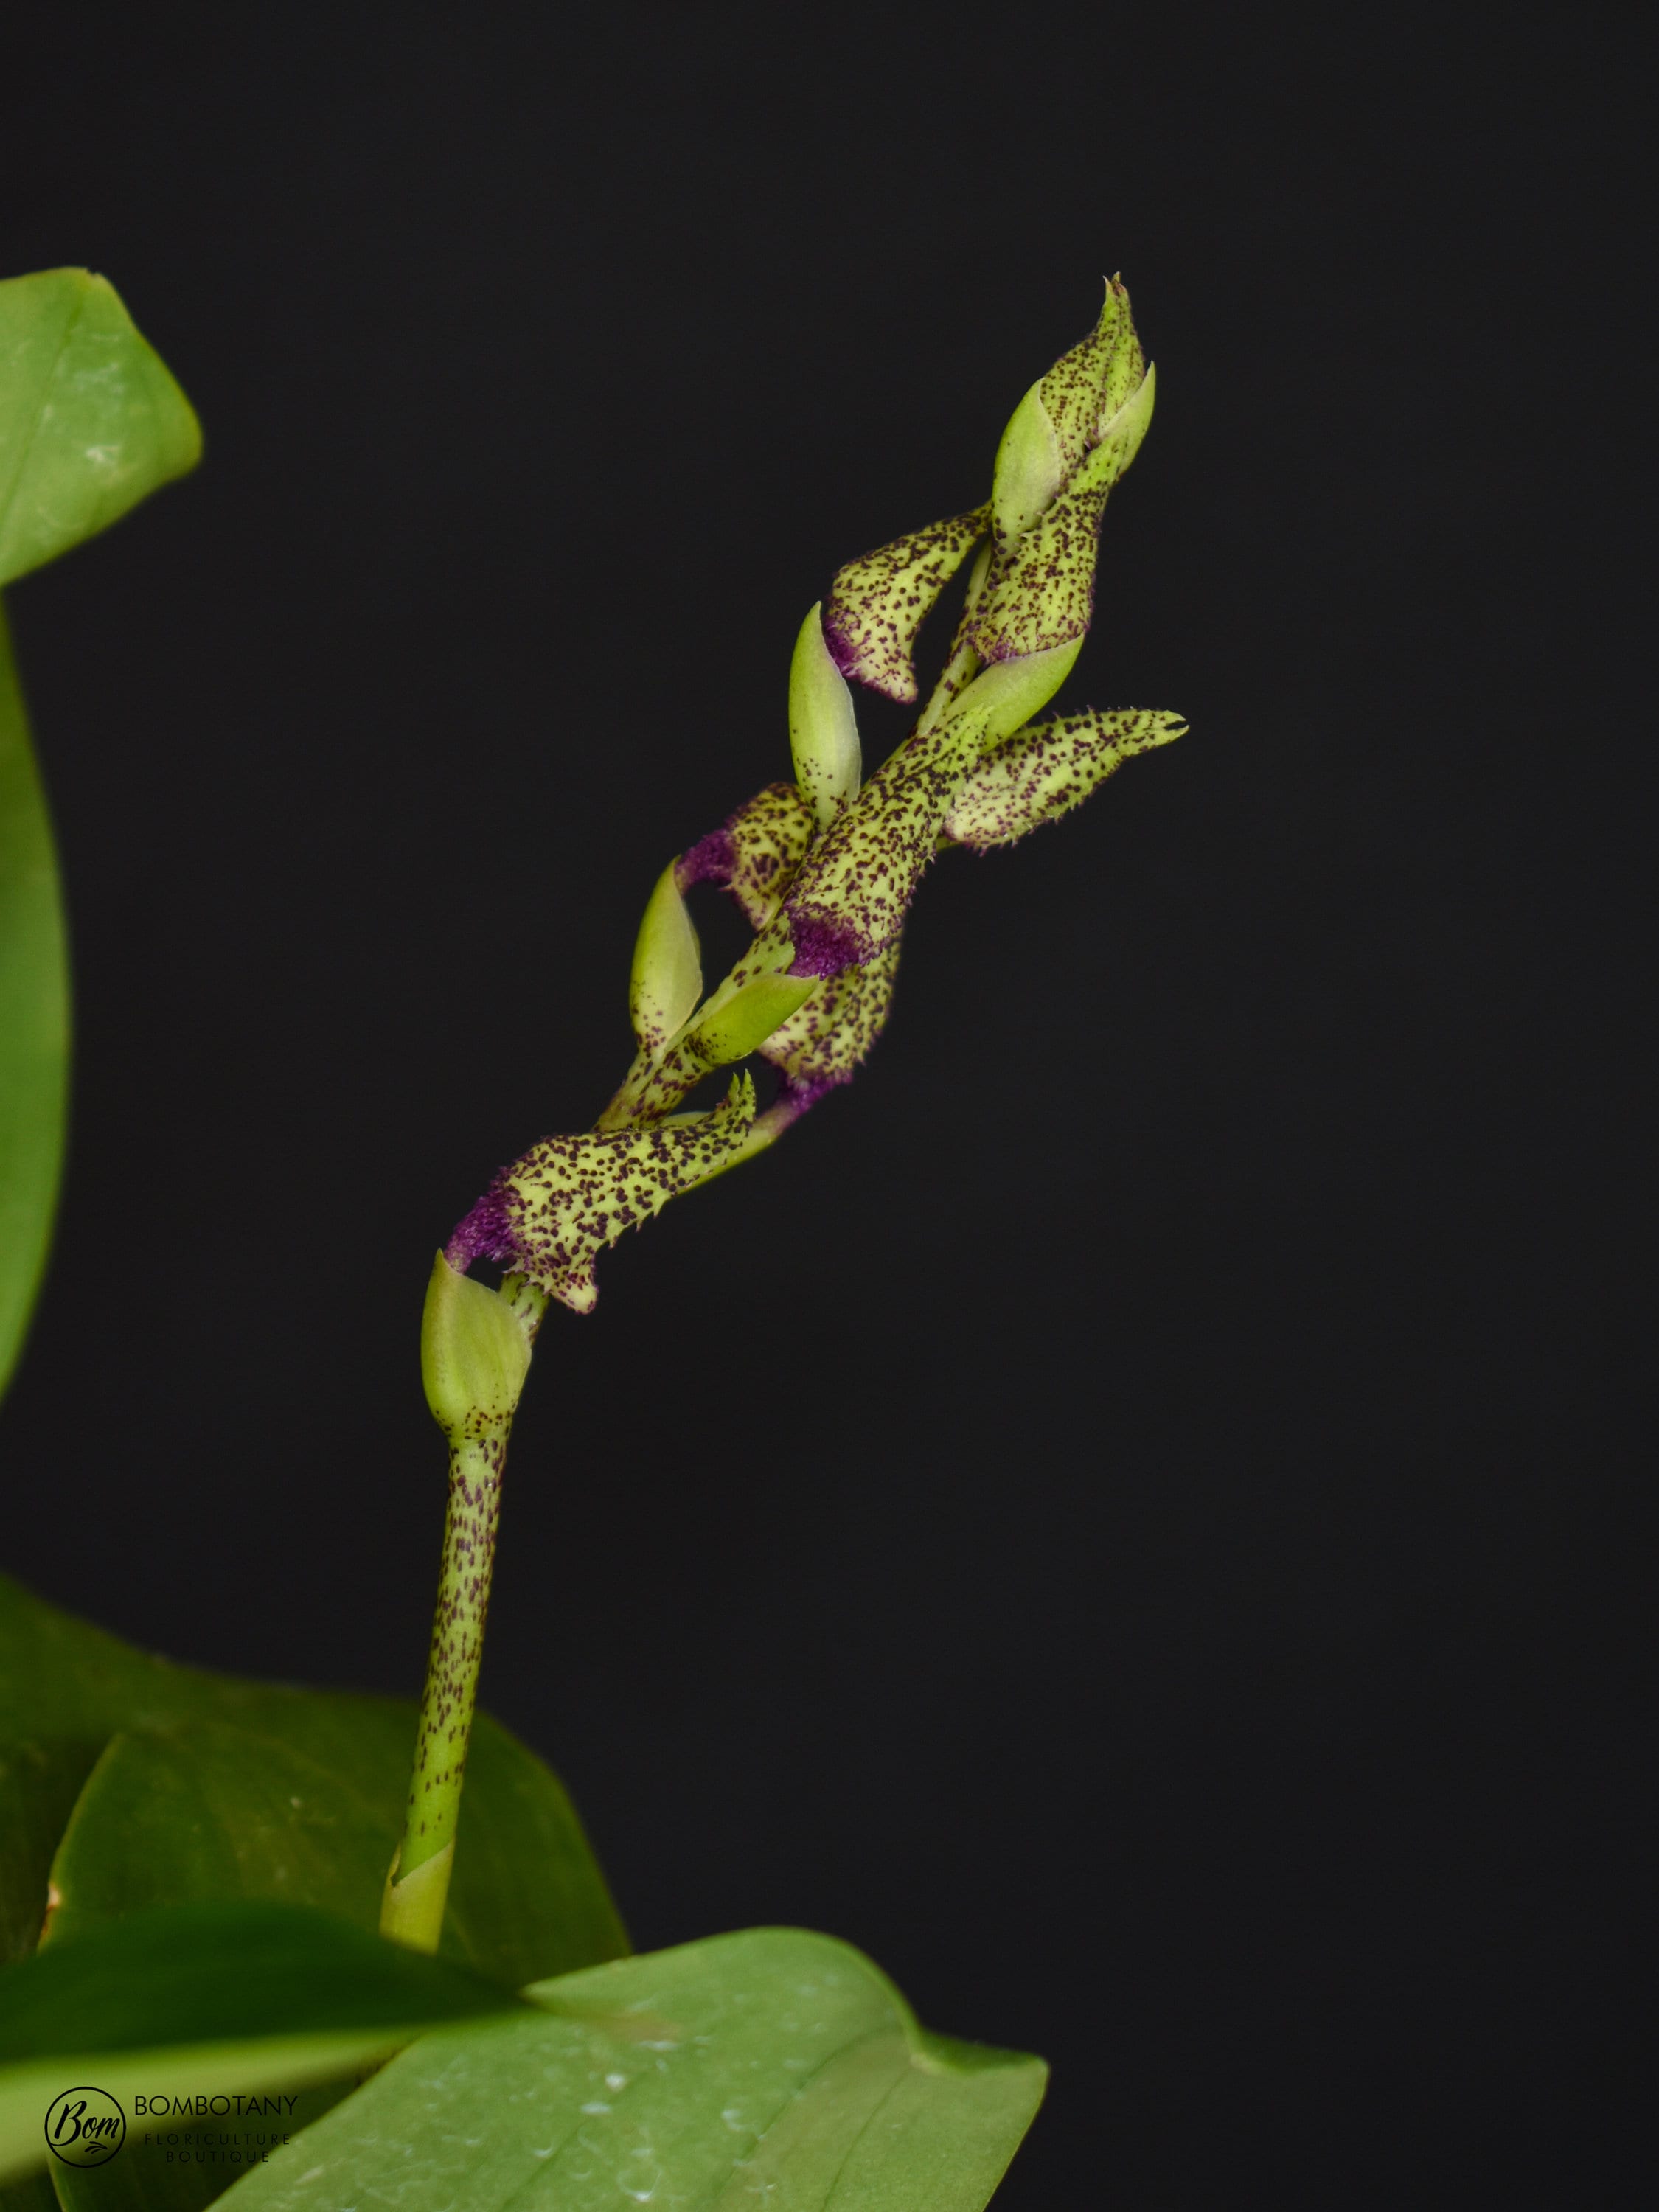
34, 1020
205, 1811
769, 2068
221, 1999
208, 1773
32, 2193
90, 420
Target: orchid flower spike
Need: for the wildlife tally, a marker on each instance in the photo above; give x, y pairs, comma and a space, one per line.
824, 868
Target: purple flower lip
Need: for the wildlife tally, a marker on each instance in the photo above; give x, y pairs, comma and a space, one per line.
823, 945
486, 1233
710, 860
843, 650
799, 1098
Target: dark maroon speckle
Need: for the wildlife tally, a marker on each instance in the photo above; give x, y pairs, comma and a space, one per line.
823, 948
485, 1234
843, 649
710, 860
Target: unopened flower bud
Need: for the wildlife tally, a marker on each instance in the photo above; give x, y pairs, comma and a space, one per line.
823, 730
1029, 469
474, 1354
745, 1020
666, 980
1087, 387
1070, 439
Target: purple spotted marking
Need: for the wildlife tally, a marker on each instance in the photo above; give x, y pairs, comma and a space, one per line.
843, 649
710, 860
483, 1234
823, 947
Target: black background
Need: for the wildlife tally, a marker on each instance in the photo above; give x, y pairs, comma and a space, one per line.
1125, 1514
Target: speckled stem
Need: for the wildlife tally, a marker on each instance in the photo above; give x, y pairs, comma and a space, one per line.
452, 1667
414, 1910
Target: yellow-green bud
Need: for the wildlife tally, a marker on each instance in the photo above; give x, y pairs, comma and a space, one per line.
746, 1020
667, 981
823, 730
474, 1354
1029, 469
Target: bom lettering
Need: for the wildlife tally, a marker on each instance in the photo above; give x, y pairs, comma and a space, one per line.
85, 2127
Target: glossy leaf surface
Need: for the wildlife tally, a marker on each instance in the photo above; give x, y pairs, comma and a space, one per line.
34, 1020
220, 1999
770, 2068
209, 1771
90, 420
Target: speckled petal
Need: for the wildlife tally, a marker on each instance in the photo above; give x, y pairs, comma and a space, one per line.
1043, 771
849, 900
1040, 593
552, 1213
878, 602
755, 853
825, 1041
1086, 386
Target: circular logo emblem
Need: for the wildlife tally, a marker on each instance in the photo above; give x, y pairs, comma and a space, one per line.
85, 2127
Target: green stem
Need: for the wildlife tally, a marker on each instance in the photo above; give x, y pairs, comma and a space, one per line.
653, 1087
412, 1910
452, 1667
418, 1884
